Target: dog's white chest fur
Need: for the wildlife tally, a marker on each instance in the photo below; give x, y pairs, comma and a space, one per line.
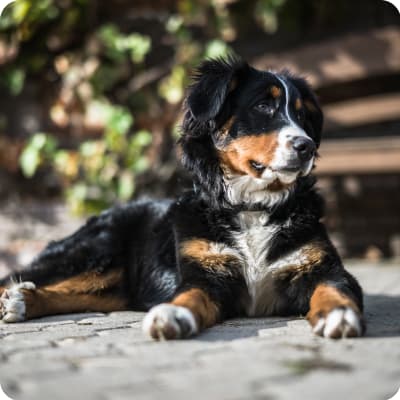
253, 242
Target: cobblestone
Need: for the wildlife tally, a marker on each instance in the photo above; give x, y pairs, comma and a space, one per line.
106, 357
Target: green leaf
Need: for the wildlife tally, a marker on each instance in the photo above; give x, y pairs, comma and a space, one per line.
89, 148
43, 142
126, 185
174, 23
141, 164
216, 48
108, 34
172, 87
38, 141
120, 120
79, 191
266, 12
20, 10
29, 161
50, 146
139, 46
15, 80
142, 138
61, 159
117, 45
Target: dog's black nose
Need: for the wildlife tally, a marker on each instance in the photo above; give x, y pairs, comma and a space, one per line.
305, 147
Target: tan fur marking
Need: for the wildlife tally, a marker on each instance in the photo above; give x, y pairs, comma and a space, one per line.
88, 282
298, 104
44, 302
200, 250
233, 85
199, 303
314, 253
277, 186
237, 155
275, 92
312, 256
195, 248
326, 298
81, 293
224, 131
310, 106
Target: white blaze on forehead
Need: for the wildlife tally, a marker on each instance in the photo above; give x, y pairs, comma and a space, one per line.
287, 112
293, 129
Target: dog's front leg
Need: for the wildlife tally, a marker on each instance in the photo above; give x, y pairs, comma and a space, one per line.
211, 290
187, 314
334, 312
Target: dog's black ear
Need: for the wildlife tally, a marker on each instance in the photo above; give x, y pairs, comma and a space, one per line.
213, 81
314, 118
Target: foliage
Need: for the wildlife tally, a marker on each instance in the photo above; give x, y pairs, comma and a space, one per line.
97, 74
100, 171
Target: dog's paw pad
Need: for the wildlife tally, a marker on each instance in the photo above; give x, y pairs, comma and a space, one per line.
12, 302
338, 323
167, 321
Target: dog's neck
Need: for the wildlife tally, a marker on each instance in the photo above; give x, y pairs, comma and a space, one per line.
279, 207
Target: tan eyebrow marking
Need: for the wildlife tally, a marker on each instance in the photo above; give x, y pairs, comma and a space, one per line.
232, 85
310, 106
298, 104
275, 91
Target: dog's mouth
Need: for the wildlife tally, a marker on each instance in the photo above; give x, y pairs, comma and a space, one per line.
284, 177
274, 184
290, 170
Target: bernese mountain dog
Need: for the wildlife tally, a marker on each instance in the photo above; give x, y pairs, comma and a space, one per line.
247, 240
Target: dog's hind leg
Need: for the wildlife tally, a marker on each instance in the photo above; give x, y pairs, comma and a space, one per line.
93, 247
82, 272
89, 291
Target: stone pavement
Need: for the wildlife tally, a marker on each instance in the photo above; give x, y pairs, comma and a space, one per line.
106, 357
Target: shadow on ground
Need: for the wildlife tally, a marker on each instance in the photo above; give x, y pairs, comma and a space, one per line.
382, 314
241, 328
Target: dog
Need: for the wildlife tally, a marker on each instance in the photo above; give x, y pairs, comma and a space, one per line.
247, 240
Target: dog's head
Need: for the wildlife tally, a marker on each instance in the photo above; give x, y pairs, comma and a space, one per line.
248, 135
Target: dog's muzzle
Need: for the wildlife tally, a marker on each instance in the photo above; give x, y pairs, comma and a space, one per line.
296, 151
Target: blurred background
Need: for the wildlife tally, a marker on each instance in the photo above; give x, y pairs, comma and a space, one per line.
91, 94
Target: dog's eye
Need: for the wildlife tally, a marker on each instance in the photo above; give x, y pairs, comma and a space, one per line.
257, 166
265, 109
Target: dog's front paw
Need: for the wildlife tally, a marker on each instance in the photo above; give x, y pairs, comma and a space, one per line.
167, 321
12, 302
339, 323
